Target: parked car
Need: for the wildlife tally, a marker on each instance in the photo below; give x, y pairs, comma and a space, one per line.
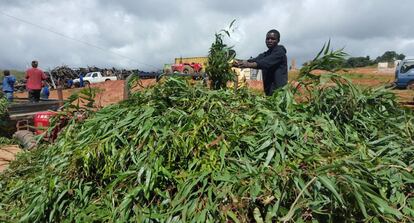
404, 74
94, 77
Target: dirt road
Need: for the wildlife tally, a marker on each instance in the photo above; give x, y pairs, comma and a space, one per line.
372, 77
7, 154
112, 92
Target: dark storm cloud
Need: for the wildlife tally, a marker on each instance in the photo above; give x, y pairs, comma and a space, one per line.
148, 33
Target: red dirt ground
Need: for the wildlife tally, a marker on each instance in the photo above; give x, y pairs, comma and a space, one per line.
113, 90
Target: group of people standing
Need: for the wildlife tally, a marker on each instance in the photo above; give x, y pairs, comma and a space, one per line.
35, 84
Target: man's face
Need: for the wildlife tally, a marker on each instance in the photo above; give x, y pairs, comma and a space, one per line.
271, 40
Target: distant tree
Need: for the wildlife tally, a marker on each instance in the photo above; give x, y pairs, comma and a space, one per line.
389, 56
352, 62
401, 57
357, 62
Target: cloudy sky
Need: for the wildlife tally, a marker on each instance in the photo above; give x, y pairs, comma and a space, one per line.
146, 34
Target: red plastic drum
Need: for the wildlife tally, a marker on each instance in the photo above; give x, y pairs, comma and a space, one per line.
41, 121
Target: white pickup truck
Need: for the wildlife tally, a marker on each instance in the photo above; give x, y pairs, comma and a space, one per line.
94, 77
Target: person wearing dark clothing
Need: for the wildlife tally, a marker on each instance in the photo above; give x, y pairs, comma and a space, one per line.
81, 84
69, 83
273, 63
8, 85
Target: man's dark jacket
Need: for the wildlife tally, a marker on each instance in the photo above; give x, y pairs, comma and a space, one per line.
273, 64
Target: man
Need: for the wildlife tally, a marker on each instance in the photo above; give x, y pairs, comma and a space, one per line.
8, 85
34, 78
69, 83
273, 63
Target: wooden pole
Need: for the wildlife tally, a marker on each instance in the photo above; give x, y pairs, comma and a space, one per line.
60, 94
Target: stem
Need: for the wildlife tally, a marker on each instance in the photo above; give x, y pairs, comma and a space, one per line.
289, 215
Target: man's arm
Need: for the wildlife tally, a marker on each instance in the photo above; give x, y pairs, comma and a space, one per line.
245, 64
250, 63
259, 57
276, 57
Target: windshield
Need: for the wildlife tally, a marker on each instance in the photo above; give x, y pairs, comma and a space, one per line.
407, 66
88, 75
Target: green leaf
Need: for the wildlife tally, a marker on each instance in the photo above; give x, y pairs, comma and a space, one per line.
269, 156
331, 187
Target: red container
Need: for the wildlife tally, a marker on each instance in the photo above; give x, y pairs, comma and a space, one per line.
41, 121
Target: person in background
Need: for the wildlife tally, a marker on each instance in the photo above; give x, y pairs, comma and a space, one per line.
34, 77
44, 94
69, 83
273, 63
8, 85
81, 84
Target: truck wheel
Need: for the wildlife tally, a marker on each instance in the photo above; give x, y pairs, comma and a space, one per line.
410, 85
188, 70
107, 80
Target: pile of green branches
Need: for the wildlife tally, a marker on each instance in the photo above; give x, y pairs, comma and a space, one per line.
4, 118
3, 106
7, 141
179, 152
220, 59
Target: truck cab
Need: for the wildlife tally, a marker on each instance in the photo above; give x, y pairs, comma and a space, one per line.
404, 74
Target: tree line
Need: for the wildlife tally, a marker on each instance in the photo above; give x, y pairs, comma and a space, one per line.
388, 56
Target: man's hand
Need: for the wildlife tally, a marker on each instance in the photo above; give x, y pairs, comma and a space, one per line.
240, 63
236, 63
244, 64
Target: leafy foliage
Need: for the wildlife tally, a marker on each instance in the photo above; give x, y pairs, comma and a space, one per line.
219, 61
179, 152
3, 106
389, 56
327, 59
353, 62
3, 115
6, 141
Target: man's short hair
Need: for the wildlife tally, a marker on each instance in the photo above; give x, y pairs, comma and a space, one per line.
6, 72
34, 63
275, 32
